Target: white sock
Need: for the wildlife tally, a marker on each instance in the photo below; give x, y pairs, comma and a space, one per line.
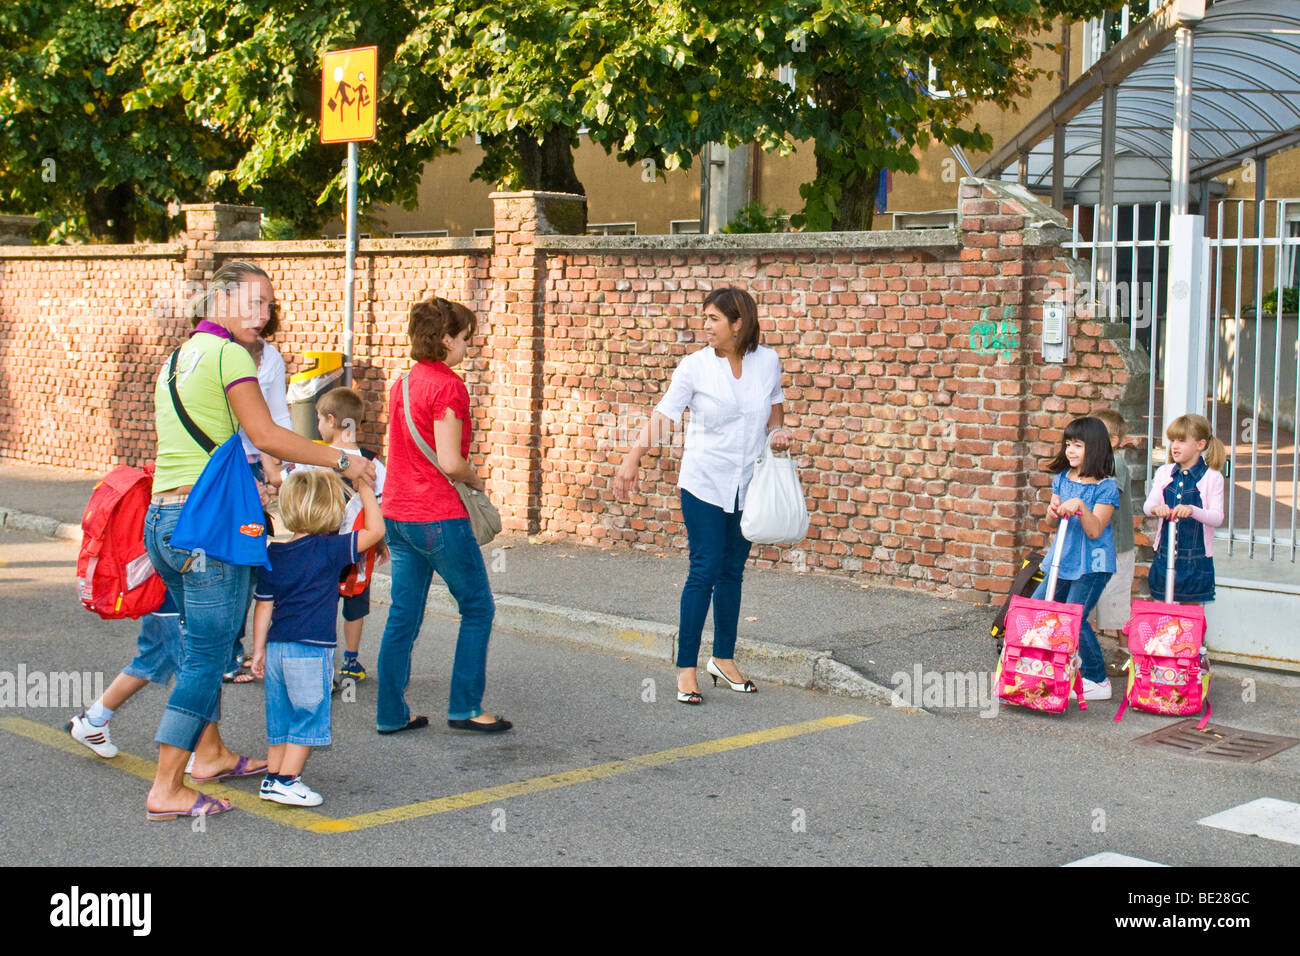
97, 714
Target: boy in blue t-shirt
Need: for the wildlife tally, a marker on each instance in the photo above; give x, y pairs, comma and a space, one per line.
294, 623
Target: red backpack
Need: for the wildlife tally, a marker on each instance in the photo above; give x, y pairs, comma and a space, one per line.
115, 577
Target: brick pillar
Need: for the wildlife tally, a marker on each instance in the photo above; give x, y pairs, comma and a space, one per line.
989, 408
208, 223
515, 344
1010, 412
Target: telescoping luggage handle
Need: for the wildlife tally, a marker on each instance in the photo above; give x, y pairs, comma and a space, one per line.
1057, 549
1170, 523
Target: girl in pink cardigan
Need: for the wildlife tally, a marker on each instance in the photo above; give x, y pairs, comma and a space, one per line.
1190, 486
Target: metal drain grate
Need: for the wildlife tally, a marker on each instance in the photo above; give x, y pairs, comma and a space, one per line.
1224, 744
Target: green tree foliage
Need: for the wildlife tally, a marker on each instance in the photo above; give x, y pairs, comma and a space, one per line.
252, 70
70, 151
860, 82
754, 217
643, 78
659, 79
146, 102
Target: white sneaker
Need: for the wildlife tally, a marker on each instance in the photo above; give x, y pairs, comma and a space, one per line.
96, 738
1095, 691
296, 794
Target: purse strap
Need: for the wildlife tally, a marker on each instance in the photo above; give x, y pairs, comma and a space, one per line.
415, 432
197, 433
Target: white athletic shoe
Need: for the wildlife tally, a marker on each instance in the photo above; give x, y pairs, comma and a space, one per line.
296, 794
96, 738
1095, 691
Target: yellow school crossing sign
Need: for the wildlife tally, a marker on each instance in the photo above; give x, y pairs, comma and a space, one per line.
349, 83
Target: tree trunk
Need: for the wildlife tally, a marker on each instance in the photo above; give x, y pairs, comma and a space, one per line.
110, 214
548, 165
856, 208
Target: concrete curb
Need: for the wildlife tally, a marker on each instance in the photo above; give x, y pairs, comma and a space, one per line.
775, 663
39, 524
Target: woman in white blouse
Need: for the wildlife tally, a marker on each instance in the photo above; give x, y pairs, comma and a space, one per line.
733, 389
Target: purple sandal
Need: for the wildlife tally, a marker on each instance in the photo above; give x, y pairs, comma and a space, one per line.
204, 806
240, 769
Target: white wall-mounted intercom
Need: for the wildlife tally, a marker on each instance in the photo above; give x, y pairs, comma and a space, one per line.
1056, 332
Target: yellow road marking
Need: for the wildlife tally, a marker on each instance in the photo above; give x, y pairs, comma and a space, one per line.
567, 778
297, 817
315, 822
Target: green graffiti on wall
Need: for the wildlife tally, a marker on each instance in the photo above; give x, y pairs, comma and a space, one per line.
987, 337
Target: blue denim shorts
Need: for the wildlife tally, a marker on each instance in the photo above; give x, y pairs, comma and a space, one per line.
158, 648
298, 678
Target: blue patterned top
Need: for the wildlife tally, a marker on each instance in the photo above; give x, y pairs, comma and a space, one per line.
1083, 555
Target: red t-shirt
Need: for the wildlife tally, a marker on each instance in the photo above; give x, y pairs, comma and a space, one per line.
414, 490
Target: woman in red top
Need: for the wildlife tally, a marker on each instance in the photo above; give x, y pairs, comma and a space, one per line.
428, 528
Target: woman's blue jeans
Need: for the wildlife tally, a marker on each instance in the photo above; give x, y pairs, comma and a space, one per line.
209, 596
1085, 590
418, 549
718, 555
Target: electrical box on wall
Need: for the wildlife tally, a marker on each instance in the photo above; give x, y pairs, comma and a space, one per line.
1056, 332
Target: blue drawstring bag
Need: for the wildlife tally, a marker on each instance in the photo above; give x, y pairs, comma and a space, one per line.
223, 514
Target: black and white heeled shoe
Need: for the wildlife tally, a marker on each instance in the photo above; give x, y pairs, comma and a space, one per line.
715, 672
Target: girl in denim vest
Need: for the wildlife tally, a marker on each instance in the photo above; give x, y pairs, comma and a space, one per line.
1190, 486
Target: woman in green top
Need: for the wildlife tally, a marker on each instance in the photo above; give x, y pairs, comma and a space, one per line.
217, 384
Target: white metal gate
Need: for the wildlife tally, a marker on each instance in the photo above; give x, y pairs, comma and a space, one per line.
1247, 343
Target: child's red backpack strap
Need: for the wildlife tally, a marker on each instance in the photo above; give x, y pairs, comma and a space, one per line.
356, 578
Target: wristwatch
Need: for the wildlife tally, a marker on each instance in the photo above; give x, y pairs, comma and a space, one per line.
344, 462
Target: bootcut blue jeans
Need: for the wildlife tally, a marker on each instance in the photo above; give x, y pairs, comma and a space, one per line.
418, 549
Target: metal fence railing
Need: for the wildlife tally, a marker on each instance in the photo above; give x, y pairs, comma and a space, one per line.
1250, 320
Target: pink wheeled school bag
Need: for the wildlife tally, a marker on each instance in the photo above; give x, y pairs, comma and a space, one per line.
1039, 660
1168, 671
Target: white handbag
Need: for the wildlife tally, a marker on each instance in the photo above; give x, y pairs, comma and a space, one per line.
775, 511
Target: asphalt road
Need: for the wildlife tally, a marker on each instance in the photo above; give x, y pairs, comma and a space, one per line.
808, 785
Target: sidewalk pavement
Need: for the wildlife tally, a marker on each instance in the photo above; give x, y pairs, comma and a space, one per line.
811, 630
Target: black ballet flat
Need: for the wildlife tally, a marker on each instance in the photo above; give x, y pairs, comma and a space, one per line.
497, 726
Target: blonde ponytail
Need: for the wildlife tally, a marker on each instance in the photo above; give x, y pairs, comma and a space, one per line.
1215, 454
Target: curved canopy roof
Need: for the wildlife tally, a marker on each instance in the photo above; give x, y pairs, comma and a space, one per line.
1245, 100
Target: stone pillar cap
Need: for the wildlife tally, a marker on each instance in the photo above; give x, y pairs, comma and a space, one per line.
537, 194
219, 206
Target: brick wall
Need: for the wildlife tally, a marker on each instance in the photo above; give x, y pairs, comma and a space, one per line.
81, 339
920, 445
920, 403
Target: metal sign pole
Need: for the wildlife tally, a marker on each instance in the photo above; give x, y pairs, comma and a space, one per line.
350, 273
